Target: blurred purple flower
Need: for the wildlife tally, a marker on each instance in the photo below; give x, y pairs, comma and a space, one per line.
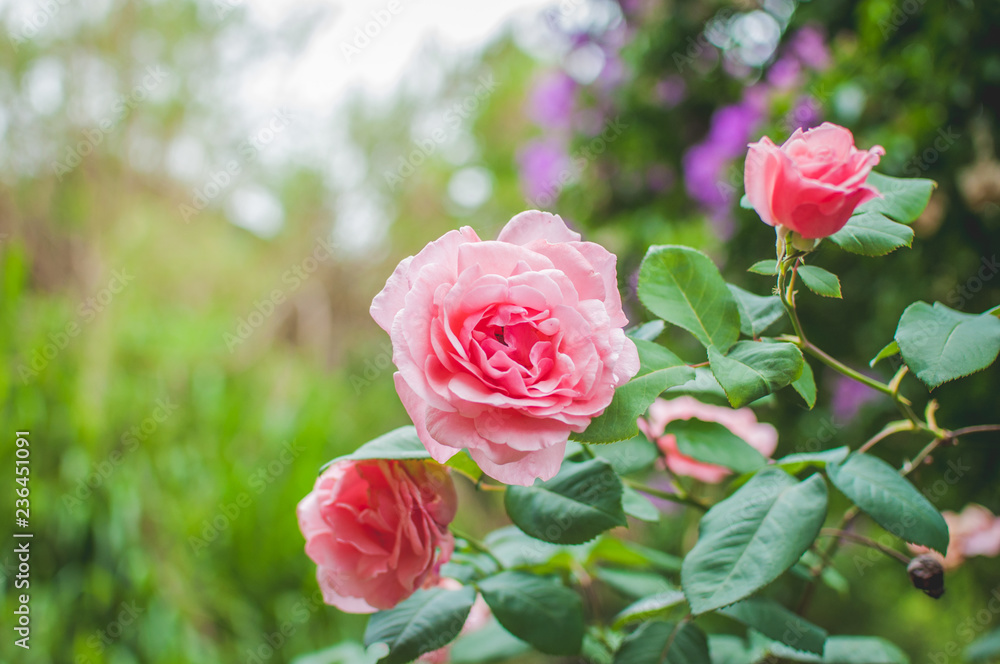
809, 46
671, 91
731, 128
551, 100
542, 163
785, 73
706, 164
848, 398
806, 113
613, 72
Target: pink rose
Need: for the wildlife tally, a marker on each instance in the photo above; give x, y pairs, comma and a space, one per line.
975, 531
378, 530
743, 423
812, 183
505, 348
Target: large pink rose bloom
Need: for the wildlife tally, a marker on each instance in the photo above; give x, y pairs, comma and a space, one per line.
743, 423
505, 348
813, 182
378, 530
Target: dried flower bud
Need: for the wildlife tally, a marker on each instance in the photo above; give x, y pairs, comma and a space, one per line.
927, 575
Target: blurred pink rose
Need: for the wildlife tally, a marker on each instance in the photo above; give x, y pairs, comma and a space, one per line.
813, 182
378, 530
743, 423
478, 617
506, 348
973, 532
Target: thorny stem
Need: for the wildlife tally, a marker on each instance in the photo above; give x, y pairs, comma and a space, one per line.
867, 541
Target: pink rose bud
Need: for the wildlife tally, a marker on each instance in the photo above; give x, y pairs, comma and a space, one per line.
813, 182
505, 348
378, 530
743, 423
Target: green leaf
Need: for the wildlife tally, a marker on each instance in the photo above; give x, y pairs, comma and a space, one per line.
426, 621
633, 583
682, 286
648, 331
629, 456
515, 549
401, 443
903, 199
845, 650
890, 349
728, 649
579, 503
757, 312
489, 643
704, 388
986, 647
890, 499
657, 642
820, 281
805, 385
796, 463
940, 344
629, 554
749, 539
659, 370
768, 267
753, 369
775, 621
711, 442
653, 606
639, 506
872, 234
541, 611
745, 202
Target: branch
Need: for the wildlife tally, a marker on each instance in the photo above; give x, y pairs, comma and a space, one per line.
867, 541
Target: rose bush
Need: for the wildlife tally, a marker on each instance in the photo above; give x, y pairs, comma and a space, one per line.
505, 348
378, 530
509, 348
813, 182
